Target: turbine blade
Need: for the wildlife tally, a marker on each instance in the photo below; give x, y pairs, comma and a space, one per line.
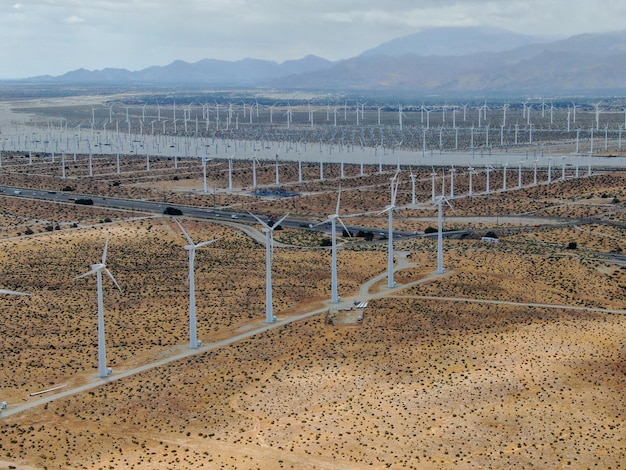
201, 244
12, 292
260, 221
338, 200
184, 232
279, 221
106, 248
344, 226
91, 271
394, 189
114, 281
320, 223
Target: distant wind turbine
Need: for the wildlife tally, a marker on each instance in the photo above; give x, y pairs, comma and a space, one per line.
440, 201
389, 209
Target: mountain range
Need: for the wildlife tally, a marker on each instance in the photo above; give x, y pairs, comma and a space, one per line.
450, 60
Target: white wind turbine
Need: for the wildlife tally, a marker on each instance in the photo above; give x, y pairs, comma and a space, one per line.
413, 197
97, 269
254, 161
549, 170
277, 170
470, 171
269, 250
191, 248
230, 172
488, 171
433, 175
205, 188
395, 181
440, 201
452, 171
332, 218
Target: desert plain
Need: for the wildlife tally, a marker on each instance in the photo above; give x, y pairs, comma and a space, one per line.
512, 358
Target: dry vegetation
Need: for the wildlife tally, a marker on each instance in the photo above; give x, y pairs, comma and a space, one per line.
419, 384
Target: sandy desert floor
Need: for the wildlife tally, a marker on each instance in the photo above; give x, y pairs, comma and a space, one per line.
427, 380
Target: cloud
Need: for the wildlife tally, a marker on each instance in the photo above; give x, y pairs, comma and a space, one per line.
138, 33
74, 20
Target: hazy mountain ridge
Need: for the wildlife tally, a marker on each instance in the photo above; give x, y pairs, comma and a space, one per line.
454, 42
581, 62
210, 71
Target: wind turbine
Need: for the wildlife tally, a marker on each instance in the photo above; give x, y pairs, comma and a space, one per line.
413, 198
452, 171
230, 172
269, 250
205, 188
440, 201
488, 171
549, 170
277, 171
191, 248
433, 175
332, 218
254, 160
470, 171
97, 269
395, 181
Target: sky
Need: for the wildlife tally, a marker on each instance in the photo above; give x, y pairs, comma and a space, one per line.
51, 37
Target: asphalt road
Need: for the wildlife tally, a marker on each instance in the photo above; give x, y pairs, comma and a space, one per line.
192, 211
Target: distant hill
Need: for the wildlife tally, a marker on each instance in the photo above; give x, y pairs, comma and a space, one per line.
454, 42
207, 71
586, 62
459, 60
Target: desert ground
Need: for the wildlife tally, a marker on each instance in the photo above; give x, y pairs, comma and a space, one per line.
513, 358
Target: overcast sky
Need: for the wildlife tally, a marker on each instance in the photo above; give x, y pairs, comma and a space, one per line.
56, 36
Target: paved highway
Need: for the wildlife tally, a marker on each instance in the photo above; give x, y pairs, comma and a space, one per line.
193, 211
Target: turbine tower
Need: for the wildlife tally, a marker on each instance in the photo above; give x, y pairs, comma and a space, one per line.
440, 201
332, 218
269, 250
191, 248
389, 209
413, 197
97, 269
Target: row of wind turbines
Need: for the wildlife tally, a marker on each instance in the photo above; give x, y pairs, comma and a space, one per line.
100, 269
